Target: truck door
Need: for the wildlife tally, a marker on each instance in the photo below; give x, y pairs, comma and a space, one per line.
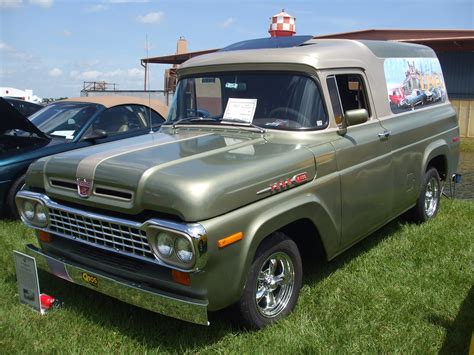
364, 160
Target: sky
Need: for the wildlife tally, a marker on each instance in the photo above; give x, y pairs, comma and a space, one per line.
53, 46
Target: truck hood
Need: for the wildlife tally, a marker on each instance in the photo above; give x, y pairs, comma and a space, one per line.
193, 174
11, 118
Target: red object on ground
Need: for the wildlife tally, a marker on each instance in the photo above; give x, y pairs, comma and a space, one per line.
47, 301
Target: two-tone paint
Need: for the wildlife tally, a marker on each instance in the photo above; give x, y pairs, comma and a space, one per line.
340, 188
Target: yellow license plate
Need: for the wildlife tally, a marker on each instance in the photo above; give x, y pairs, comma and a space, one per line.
90, 279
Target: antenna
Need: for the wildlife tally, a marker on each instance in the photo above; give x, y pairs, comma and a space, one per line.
147, 73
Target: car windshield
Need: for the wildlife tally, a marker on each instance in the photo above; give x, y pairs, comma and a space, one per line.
64, 119
273, 100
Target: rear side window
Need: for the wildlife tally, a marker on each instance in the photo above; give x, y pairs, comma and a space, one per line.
347, 92
413, 83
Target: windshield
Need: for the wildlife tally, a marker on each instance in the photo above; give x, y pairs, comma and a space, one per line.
267, 99
64, 119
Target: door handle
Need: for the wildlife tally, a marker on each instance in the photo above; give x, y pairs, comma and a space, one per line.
384, 134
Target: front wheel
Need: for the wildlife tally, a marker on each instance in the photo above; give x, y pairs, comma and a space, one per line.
273, 284
427, 204
11, 210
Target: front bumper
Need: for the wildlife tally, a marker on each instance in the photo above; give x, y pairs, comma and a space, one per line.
187, 309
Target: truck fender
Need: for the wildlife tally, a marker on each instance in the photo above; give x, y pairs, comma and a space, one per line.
280, 216
437, 148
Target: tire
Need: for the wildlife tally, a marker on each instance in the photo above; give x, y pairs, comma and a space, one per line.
275, 277
427, 204
10, 207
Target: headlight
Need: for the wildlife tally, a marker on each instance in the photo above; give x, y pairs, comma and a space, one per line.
40, 214
29, 210
165, 244
33, 211
184, 249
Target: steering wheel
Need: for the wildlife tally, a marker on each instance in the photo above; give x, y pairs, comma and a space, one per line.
295, 116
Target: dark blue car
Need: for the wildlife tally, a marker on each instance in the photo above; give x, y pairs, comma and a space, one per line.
66, 125
417, 97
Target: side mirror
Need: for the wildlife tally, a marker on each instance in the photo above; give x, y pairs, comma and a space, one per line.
355, 117
95, 134
351, 118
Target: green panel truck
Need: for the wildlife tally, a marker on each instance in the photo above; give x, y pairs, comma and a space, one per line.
266, 153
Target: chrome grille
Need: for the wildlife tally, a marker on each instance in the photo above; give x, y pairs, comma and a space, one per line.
114, 236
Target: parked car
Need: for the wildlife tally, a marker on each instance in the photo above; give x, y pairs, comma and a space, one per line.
437, 94
429, 98
396, 96
26, 108
265, 153
66, 125
417, 97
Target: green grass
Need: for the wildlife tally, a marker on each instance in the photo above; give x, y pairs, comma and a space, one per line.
467, 144
406, 289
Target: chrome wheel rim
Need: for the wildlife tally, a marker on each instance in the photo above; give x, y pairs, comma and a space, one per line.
431, 197
275, 284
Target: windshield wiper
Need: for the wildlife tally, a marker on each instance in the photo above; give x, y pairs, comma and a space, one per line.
244, 123
195, 119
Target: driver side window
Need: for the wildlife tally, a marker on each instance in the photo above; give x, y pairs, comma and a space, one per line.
347, 92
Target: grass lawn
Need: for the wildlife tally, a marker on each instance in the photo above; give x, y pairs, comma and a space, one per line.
467, 144
407, 289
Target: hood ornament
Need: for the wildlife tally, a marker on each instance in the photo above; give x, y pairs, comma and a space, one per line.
84, 187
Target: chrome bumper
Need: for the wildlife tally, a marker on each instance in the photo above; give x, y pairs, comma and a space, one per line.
187, 309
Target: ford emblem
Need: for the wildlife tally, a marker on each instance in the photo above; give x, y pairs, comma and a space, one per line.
84, 187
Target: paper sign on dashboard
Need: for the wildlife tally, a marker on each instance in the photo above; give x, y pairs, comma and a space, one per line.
241, 110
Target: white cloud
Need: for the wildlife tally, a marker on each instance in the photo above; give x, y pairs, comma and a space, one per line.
74, 74
114, 73
90, 75
125, 1
42, 3
135, 73
67, 33
16, 54
11, 4
227, 23
97, 8
55, 72
151, 18
126, 78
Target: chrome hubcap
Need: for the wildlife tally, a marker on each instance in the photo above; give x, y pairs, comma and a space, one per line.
431, 197
275, 284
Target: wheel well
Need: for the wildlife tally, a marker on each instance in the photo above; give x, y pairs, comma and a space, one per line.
440, 164
306, 236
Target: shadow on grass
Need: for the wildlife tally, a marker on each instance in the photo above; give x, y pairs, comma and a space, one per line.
459, 331
155, 331
317, 269
150, 329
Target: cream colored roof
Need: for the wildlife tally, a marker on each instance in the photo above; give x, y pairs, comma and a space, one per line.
320, 54
110, 101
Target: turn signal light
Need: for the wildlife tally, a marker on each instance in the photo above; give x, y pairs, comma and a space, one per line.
230, 239
181, 277
45, 236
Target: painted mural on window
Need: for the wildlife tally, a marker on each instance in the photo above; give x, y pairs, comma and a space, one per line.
413, 83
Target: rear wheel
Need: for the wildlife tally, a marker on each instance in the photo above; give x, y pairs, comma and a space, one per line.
427, 204
273, 284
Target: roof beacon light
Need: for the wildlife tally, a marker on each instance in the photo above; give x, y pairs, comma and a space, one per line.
282, 25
